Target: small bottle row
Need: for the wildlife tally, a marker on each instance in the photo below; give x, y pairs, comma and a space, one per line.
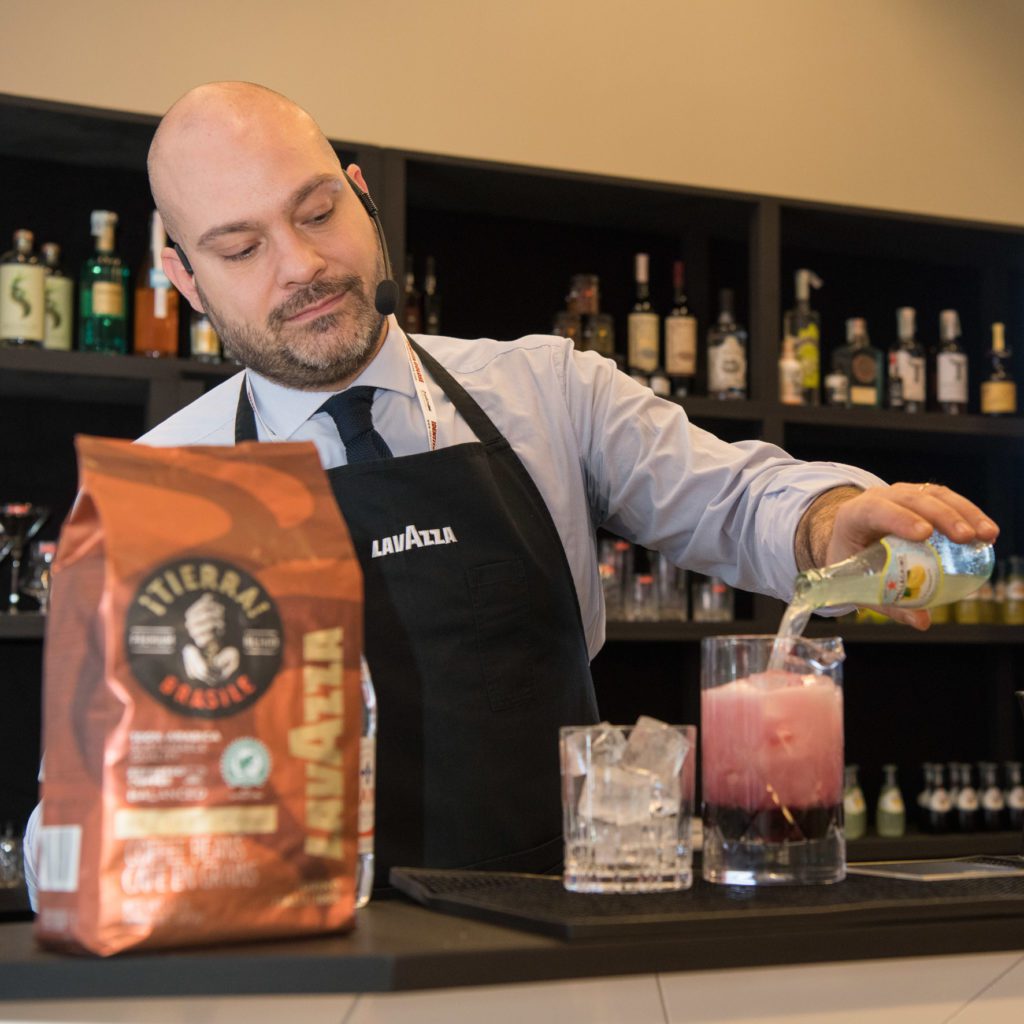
38, 307
954, 797
644, 586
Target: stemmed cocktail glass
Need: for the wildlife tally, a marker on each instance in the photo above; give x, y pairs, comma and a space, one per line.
19, 522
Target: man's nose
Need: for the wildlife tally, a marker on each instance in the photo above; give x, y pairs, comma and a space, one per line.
299, 261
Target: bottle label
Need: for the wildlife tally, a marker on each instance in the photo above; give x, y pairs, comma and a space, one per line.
998, 396
59, 311
791, 382
967, 800
861, 395
727, 365
891, 802
837, 389
939, 801
107, 299
660, 385
1015, 589
22, 301
680, 346
911, 574
853, 802
992, 799
643, 341
367, 791
1015, 798
952, 377
808, 351
910, 370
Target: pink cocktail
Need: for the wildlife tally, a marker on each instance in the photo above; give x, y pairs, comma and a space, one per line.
772, 761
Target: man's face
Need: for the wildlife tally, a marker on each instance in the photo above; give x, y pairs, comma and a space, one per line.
286, 260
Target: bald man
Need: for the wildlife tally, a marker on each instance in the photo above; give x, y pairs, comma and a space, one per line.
474, 486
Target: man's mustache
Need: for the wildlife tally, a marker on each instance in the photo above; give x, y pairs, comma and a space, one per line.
312, 295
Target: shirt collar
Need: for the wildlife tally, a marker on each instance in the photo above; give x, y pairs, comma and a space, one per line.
282, 410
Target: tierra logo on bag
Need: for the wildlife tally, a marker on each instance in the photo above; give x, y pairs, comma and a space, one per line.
203, 637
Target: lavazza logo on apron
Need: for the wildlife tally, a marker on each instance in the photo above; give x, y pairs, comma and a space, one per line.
412, 538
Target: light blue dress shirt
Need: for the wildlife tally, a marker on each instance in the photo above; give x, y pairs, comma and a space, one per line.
603, 451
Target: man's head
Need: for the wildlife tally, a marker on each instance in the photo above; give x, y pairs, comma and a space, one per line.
285, 260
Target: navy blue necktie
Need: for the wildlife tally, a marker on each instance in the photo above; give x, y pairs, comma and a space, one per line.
351, 413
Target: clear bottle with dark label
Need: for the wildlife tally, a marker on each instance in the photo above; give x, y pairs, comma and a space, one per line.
22, 293
907, 365
951, 366
1014, 794
103, 292
727, 353
966, 800
940, 809
993, 803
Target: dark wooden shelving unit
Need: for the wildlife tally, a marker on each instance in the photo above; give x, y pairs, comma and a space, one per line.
506, 240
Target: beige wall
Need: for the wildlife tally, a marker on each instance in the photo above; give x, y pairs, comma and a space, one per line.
901, 104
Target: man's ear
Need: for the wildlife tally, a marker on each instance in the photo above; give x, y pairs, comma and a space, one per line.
356, 174
181, 278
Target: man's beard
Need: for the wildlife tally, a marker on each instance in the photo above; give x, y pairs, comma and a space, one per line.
316, 355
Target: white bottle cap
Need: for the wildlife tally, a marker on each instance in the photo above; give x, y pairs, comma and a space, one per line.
805, 280
642, 267
906, 321
101, 220
949, 324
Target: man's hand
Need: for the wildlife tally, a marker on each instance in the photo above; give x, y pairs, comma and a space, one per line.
841, 522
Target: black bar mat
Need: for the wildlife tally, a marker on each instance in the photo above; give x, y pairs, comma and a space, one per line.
541, 904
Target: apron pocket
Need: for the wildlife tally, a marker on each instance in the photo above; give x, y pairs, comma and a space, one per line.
500, 604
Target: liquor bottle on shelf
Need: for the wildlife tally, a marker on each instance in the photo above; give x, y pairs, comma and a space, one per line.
791, 375
907, 365
940, 809
22, 293
803, 325
642, 327
412, 301
1014, 794
431, 300
924, 795
837, 389
891, 812
103, 292
680, 337
953, 775
951, 366
965, 800
1013, 596
156, 300
855, 808
999, 392
204, 343
993, 803
727, 353
597, 331
59, 292
861, 363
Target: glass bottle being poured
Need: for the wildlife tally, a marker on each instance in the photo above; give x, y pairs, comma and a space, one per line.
892, 573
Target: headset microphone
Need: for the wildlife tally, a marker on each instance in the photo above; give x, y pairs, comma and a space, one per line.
386, 299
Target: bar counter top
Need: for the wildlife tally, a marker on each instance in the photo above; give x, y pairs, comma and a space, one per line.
398, 945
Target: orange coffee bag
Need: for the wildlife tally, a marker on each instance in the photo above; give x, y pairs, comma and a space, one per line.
202, 706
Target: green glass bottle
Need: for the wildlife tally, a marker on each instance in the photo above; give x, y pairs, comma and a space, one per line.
103, 292
891, 813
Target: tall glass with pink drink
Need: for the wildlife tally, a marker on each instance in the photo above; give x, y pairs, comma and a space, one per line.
772, 760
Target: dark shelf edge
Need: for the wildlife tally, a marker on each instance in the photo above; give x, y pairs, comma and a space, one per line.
23, 626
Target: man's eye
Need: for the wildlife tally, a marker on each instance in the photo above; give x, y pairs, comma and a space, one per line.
322, 218
237, 257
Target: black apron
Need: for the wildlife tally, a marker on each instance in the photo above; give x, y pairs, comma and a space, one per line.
476, 645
